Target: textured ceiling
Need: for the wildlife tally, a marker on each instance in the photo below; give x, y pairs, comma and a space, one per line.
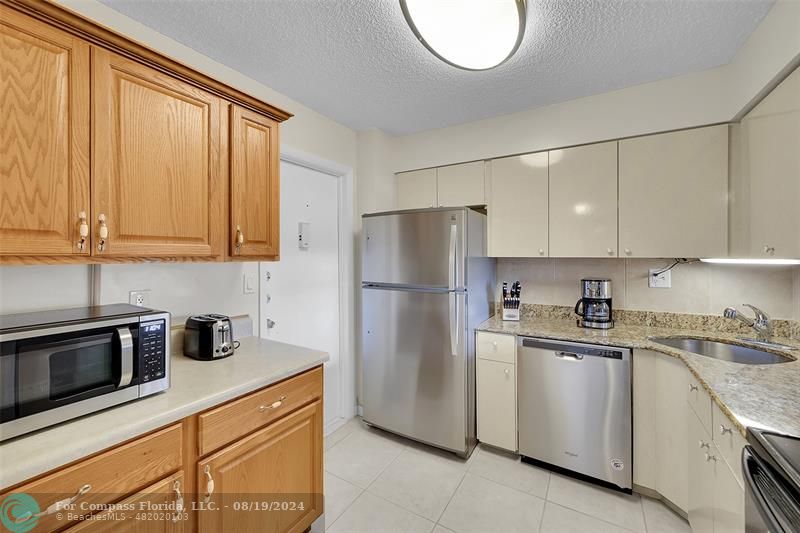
357, 61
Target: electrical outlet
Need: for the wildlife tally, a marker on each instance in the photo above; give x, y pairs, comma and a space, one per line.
140, 297
660, 281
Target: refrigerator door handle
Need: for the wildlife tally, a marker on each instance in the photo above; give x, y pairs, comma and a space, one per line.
451, 260
453, 324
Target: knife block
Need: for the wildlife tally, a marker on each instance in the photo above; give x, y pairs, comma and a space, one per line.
511, 314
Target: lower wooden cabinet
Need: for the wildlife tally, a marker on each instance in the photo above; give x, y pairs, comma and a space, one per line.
163, 507
268, 482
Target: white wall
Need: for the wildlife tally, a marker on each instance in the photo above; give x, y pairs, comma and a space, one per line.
698, 288
181, 288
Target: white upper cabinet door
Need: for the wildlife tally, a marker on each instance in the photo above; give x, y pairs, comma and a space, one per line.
770, 152
583, 201
460, 185
416, 189
673, 194
518, 206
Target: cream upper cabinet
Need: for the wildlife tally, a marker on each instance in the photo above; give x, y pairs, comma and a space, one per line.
518, 206
765, 177
416, 189
583, 201
673, 193
460, 185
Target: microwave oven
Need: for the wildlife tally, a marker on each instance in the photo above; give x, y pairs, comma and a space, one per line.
59, 365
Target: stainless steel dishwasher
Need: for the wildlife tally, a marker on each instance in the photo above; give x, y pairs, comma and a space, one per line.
575, 409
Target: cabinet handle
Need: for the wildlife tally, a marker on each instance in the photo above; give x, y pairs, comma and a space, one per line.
769, 250
239, 238
703, 444
102, 232
209, 484
273, 405
692, 388
176, 487
723, 430
494, 345
710, 457
506, 371
83, 230
627, 251
55, 507
541, 251
610, 251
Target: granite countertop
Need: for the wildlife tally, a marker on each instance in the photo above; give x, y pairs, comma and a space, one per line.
766, 396
196, 386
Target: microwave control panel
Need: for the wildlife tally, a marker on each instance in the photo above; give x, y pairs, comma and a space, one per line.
152, 350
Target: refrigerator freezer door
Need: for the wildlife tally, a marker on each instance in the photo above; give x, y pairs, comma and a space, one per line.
416, 248
414, 373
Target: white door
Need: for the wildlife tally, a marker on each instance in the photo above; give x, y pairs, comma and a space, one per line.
301, 295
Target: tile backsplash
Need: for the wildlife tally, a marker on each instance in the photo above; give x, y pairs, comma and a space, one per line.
697, 288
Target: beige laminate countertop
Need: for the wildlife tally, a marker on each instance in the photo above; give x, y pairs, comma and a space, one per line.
196, 386
766, 396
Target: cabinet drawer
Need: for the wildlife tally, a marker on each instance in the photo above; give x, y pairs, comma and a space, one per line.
110, 476
158, 502
728, 439
233, 420
699, 401
496, 347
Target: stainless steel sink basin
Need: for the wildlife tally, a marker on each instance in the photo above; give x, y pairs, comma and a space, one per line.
723, 350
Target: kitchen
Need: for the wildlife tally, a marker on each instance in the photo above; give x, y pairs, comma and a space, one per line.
647, 193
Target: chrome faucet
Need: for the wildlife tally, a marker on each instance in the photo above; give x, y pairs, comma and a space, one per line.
761, 323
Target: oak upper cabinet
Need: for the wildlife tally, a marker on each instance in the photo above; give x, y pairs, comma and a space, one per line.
460, 185
518, 206
279, 463
766, 181
44, 138
158, 188
673, 194
416, 189
255, 185
583, 201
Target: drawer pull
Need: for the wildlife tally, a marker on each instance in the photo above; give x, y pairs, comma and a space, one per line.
723, 430
273, 405
53, 508
209, 484
692, 388
176, 487
710, 457
704, 445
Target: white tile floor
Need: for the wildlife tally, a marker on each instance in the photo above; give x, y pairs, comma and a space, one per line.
376, 482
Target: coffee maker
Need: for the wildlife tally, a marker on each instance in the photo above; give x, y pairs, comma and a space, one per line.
594, 307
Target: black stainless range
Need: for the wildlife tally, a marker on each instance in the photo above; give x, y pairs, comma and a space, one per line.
59, 365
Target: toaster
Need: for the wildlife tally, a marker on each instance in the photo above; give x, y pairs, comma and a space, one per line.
208, 337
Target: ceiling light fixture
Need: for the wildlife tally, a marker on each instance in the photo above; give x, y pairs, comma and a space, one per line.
733, 261
468, 34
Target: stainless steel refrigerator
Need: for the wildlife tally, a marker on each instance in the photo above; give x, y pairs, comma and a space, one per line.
427, 283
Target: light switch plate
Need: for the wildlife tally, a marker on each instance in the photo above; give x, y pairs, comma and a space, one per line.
249, 284
661, 281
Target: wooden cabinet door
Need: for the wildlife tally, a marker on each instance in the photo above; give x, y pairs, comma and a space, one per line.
701, 477
673, 194
460, 185
255, 185
276, 471
156, 163
583, 201
518, 206
416, 189
497, 404
162, 507
44, 137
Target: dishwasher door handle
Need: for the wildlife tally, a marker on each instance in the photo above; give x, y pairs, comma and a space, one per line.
569, 356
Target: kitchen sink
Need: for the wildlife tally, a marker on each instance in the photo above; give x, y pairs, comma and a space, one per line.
723, 351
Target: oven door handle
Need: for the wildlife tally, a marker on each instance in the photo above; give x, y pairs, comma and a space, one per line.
126, 356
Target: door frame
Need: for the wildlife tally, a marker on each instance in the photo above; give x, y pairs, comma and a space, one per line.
344, 176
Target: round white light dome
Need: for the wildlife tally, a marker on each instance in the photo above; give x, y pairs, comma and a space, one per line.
469, 34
